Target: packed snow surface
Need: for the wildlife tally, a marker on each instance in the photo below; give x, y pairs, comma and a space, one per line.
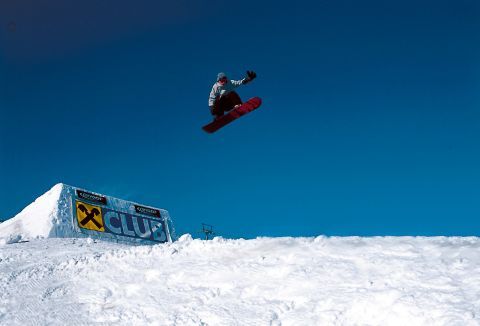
264, 281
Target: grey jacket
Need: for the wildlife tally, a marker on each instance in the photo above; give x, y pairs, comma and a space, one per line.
220, 90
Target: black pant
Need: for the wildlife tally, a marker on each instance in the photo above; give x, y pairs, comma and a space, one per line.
225, 103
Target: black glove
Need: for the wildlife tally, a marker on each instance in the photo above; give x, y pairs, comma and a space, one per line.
251, 75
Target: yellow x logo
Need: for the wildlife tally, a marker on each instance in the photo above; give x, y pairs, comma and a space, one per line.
89, 217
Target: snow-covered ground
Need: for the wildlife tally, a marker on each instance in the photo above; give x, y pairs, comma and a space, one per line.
265, 281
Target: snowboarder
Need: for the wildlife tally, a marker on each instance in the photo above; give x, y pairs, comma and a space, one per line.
223, 98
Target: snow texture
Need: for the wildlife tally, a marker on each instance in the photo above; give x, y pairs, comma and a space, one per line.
46, 217
265, 281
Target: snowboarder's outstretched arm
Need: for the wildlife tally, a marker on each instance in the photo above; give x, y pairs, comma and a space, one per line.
251, 75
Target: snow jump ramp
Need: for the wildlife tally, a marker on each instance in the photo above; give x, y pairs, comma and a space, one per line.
70, 212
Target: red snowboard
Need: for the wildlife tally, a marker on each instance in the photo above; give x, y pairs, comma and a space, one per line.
245, 108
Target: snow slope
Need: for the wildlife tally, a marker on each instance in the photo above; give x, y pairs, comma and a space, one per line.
38, 220
265, 281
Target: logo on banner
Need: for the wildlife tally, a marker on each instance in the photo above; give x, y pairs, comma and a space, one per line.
92, 197
90, 217
147, 210
128, 225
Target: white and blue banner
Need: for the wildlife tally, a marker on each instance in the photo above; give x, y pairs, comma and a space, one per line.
109, 218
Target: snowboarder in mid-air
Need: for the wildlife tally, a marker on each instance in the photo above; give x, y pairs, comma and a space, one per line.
223, 99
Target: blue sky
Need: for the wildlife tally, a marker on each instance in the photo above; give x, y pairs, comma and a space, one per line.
370, 123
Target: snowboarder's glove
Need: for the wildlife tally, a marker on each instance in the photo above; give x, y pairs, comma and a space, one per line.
251, 75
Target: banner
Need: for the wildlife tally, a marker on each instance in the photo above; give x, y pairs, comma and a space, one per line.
104, 216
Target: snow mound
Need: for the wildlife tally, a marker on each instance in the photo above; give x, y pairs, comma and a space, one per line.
40, 219
265, 281
69, 212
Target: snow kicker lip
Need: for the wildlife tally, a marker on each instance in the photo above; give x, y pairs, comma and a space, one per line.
103, 216
69, 212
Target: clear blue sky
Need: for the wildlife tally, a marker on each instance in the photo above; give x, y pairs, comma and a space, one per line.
370, 123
